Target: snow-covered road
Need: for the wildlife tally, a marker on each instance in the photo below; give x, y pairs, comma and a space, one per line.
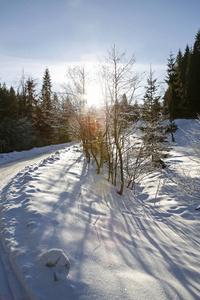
10, 169
10, 287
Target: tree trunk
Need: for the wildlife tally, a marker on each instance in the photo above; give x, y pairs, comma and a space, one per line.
121, 171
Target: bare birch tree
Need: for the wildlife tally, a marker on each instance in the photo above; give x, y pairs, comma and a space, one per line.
118, 80
75, 90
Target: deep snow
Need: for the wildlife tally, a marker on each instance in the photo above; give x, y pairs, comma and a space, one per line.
69, 235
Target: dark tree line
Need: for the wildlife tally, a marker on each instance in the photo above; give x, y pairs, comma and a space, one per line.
182, 98
29, 117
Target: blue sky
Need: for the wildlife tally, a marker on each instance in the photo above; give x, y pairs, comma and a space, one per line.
39, 33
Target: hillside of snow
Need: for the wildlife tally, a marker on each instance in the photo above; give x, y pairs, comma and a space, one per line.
69, 235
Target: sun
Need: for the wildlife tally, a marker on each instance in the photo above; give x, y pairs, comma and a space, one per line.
93, 94
93, 91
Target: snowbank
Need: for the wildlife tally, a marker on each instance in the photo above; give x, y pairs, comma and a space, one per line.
16, 155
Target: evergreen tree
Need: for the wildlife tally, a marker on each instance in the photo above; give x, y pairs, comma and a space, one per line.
184, 69
154, 137
181, 99
46, 91
16, 135
65, 112
128, 113
31, 97
184, 80
8, 103
15, 130
180, 105
12, 103
172, 97
193, 88
174, 94
21, 95
57, 119
46, 129
151, 107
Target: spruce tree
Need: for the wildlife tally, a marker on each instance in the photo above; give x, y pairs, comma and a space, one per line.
173, 95
185, 64
46, 109
193, 88
12, 104
154, 137
46, 91
180, 104
8, 103
31, 97
184, 80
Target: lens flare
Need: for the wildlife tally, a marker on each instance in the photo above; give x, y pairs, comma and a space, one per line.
102, 188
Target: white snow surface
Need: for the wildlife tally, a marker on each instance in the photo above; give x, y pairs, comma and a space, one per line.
25, 154
69, 235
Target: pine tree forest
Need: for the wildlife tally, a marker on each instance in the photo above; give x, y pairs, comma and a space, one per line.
182, 98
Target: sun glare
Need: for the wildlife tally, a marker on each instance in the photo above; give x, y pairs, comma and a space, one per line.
93, 95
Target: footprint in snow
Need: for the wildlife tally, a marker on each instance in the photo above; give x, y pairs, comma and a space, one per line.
27, 176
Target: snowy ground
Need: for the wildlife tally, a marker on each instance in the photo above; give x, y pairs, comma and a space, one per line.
69, 235
10, 165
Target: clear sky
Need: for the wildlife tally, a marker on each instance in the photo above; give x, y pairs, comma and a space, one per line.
39, 33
